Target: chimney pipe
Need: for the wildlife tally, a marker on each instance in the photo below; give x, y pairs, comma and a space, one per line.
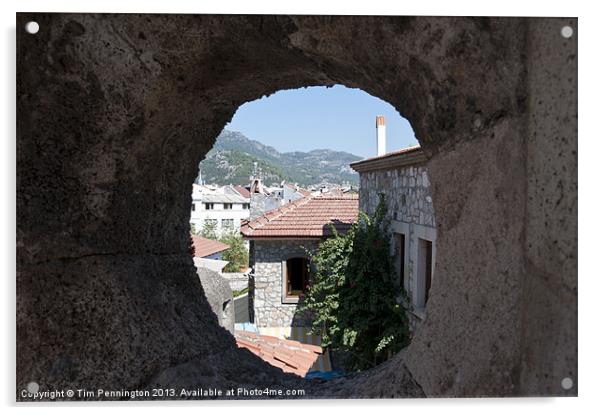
381, 136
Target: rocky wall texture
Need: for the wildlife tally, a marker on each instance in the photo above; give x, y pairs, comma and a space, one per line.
238, 280
268, 308
406, 192
219, 295
409, 202
114, 113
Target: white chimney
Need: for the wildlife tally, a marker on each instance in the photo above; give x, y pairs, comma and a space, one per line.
381, 136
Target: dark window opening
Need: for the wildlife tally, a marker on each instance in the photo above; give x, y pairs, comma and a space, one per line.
193, 207
297, 276
428, 270
208, 206
426, 267
227, 206
401, 245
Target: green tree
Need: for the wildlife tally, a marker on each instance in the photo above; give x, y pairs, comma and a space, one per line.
209, 230
353, 298
237, 254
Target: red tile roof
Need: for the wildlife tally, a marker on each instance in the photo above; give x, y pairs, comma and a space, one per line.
289, 355
243, 191
203, 247
305, 217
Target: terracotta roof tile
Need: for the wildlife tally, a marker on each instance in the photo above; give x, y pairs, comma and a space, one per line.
305, 217
290, 356
243, 191
203, 247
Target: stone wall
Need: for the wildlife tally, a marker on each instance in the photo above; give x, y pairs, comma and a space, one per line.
237, 280
219, 296
411, 213
268, 307
407, 194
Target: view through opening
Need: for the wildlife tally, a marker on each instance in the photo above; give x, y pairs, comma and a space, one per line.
275, 212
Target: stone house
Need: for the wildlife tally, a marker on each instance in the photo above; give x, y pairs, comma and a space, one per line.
279, 244
402, 176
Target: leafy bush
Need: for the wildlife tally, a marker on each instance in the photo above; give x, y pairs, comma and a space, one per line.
209, 230
353, 297
237, 254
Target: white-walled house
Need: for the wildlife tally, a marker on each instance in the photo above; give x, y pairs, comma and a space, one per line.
220, 206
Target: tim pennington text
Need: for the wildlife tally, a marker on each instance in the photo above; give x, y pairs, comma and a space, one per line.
169, 393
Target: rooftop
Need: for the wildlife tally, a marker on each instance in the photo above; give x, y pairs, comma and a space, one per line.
307, 217
298, 189
222, 198
289, 355
203, 247
395, 159
244, 192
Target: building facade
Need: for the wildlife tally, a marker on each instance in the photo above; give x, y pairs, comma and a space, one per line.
281, 243
402, 177
223, 208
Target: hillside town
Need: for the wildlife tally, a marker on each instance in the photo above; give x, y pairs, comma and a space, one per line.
253, 244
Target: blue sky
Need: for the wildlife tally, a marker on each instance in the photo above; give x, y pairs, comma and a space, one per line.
336, 118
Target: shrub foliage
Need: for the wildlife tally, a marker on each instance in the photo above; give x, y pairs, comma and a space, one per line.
237, 254
353, 297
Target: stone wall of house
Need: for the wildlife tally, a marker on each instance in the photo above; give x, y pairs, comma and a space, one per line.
410, 209
266, 295
406, 191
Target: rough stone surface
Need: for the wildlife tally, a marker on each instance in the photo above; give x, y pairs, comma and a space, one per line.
406, 191
115, 112
219, 295
268, 280
237, 280
409, 201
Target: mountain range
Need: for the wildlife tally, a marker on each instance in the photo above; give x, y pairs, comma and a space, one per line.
232, 161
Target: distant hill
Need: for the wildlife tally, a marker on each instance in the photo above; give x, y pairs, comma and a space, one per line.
232, 160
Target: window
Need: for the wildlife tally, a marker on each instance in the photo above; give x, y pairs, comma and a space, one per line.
246, 206
227, 206
400, 239
228, 223
425, 270
208, 206
296, 279
193, 207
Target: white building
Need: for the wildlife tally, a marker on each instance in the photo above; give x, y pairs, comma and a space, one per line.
219, 206
264, 198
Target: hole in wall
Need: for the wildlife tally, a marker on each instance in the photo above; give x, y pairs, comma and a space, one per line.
303, 145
